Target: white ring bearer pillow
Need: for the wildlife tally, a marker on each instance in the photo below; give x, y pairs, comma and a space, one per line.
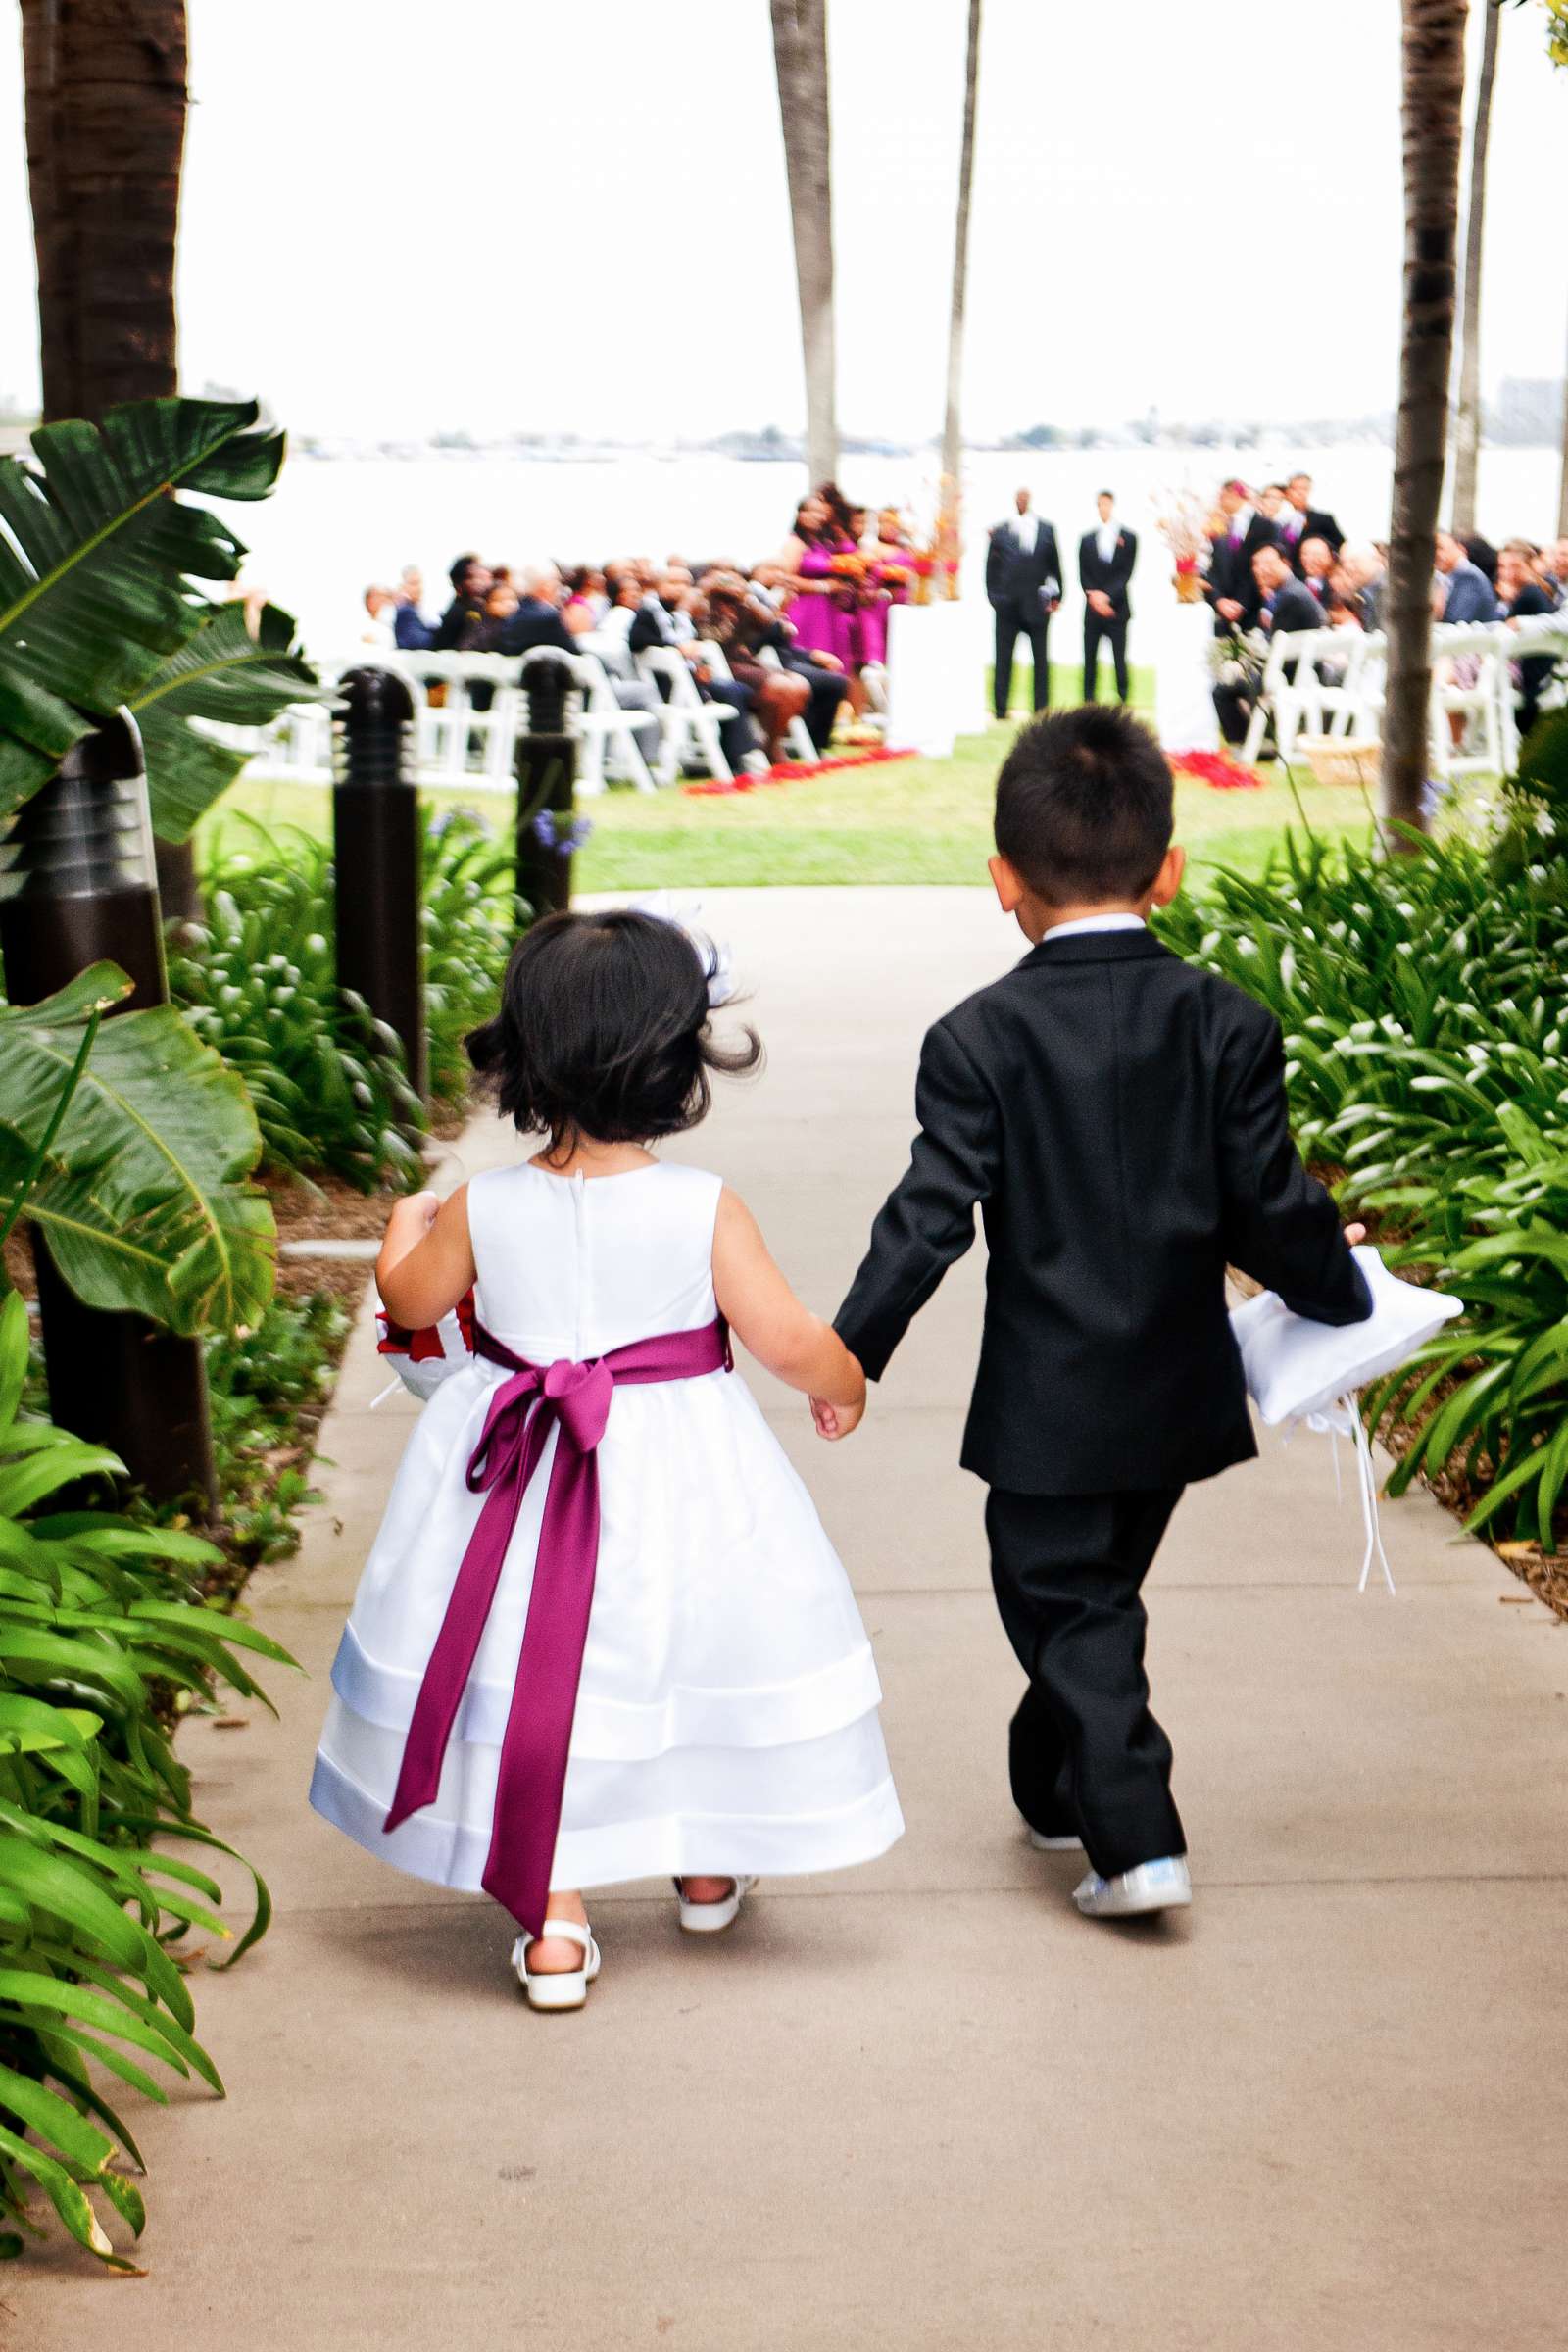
1298, 1371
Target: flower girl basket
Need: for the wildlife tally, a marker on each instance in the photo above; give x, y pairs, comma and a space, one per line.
1298, 1371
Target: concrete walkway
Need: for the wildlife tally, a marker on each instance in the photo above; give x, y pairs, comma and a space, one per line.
926, 2105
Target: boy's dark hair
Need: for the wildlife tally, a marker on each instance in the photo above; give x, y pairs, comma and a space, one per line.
602, 1031
1085, 806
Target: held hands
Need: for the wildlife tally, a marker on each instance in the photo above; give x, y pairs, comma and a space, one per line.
835, 1421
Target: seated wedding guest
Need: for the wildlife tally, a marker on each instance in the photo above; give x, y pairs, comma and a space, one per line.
464, 618
1317, 563
1551, 571
1286, 607
500, 605
1299, 521
380, 605
412, 631
536, 619
1361, 573
1483, 555
653, 623
587, 602
1523, 597
1230, 588
741, 625
1468, 594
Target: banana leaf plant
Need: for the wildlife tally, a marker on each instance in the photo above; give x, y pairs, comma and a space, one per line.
140, 1185
95, 1610
101, 550
223, 674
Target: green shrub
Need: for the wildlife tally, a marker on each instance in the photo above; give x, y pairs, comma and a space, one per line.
258, 981
472, 917
96, 1611
1424, 1001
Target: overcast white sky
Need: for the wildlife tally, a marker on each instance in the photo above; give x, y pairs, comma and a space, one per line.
401, 214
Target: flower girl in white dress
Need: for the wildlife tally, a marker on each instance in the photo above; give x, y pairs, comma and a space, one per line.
600, 1634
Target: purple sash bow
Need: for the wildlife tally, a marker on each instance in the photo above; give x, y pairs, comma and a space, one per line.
538, 1398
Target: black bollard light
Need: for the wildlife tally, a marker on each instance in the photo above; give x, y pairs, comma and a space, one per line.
547, 785
78, 887
379, 858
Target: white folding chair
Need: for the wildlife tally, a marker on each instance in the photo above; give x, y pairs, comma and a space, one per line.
1466, 663
1276, 697
454, 730
598, 721
686, 724
1331, 686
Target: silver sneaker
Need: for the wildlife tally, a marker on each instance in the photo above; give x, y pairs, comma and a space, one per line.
1163, 1886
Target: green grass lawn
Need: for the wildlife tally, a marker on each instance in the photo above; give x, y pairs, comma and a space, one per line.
910, 820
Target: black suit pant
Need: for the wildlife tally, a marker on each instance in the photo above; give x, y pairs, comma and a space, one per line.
1014, 621
1085, 1753
1113, 632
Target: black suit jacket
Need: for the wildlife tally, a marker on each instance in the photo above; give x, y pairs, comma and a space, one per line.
1315, 524
1014, 580
1230, 574
535, 623
1114, 576
1294, 607
1120, 1119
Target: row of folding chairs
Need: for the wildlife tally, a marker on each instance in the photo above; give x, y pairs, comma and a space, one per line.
1333, 682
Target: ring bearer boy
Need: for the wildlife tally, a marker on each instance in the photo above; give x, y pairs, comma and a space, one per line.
1121, 1120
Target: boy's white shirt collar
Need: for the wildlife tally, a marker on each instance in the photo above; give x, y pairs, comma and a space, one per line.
1093, 922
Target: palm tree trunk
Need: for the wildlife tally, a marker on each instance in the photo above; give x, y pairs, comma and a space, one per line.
800, 62
952, 430
1468, 415
106, 131
1432, 113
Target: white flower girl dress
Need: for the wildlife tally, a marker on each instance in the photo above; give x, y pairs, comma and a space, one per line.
726, 1714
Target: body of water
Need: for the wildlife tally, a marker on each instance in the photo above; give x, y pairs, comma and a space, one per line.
336, 524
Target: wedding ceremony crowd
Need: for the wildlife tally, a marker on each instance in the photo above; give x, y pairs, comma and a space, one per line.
803, 633
1277, 564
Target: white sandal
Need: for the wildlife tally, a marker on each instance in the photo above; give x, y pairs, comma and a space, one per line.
709, 1919
557, 1987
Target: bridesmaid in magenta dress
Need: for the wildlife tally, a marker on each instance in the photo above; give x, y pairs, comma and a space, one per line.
887, 584
822, 620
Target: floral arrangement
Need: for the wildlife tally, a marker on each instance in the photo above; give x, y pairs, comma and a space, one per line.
1181, 516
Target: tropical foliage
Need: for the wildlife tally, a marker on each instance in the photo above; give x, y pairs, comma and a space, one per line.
259, 984
140, 1183
222, 673
1425, 1009
98, 553
99, 1619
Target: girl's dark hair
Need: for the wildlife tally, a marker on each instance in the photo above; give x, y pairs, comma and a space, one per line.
602, 1031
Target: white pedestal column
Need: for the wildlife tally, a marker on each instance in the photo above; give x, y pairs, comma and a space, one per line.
936, 684
1184, 685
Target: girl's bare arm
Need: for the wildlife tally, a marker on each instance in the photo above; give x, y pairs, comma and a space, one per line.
769, 1321
426, 1259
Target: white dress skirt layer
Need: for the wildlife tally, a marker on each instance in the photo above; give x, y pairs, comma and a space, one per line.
726, 1718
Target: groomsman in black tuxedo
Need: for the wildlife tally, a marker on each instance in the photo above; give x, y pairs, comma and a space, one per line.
1230, 588
1105, 558
1023, 581
1299, 521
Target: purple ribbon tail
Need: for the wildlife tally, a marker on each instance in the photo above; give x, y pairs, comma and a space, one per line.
531, 1775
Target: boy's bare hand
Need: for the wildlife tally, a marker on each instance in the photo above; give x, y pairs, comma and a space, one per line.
1354, 1234
835, 1421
